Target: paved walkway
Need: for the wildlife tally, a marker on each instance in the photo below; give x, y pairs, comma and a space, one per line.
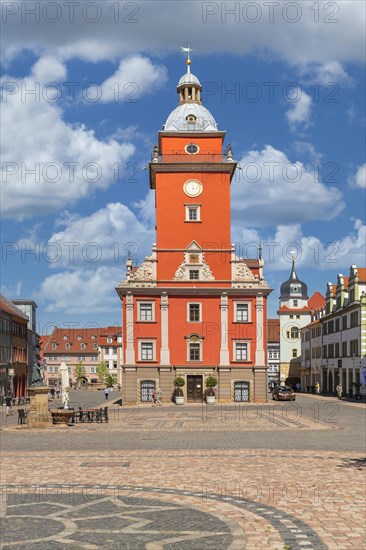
283, 477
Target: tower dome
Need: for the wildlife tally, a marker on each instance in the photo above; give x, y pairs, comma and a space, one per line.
190, 115
293, 287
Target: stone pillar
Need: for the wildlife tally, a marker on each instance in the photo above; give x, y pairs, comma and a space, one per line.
260, 384
130, 345
224, 383
347, 381
259, 351
164, 350
166, 378
224, 325
129, 387
39, 415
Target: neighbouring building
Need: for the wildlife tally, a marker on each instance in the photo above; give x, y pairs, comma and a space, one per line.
295, 309
28, 307
193, 308
14, 349
273, 351
72, 346
88, 346
334, 343
110, 350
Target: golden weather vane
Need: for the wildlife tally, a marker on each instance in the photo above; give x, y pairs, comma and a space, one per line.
187, 50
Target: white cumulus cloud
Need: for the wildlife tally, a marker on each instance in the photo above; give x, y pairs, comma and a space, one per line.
359, 178
47, 163
271, 189
299, 111
103, 238
135, 75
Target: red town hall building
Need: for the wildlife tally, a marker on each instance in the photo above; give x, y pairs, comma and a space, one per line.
193, 308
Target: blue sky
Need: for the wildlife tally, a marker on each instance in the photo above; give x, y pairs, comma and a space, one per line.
295, 120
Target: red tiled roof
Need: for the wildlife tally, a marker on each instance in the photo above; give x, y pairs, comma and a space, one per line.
316, 301
75, 337
361, 274
285, 309
273, 330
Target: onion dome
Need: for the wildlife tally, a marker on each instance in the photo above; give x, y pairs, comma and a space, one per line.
293, 287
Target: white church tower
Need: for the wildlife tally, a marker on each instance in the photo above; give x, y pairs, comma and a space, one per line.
294, 314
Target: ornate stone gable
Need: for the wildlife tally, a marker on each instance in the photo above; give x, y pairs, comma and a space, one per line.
144, 275
243, 277
194, 259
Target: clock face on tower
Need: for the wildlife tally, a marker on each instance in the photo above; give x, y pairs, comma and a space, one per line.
193, 188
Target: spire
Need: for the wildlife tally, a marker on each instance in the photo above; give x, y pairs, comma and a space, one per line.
293, 275
189, 87
188, 62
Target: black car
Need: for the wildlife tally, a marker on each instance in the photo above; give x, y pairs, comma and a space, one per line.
283, 393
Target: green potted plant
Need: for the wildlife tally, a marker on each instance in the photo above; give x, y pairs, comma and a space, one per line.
179, 382
211, 383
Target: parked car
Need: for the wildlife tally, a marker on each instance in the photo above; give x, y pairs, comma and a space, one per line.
283, 393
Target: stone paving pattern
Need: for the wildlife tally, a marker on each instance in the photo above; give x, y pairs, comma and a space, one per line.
159, 485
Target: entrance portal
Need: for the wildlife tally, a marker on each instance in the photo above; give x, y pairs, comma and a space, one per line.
194, 388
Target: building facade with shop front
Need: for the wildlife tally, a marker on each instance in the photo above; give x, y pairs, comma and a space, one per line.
13, 349
193, 308
334, 343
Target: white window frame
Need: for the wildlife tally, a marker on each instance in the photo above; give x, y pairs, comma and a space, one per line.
67, 346
83, 346
189, 274
189, 342
95, 345
147, 341
196, 207
241, 302
93, 370
144, 302
247, 360
54, 346
188, 312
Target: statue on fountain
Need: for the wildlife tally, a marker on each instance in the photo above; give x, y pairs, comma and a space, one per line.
37, 375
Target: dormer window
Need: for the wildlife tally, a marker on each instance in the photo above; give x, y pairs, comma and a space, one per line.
79, 337
82, 346
67, 346
65, 337
191, 119
54, 346
93, 337
109, 340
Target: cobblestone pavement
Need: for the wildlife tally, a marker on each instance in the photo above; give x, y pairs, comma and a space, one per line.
189, 478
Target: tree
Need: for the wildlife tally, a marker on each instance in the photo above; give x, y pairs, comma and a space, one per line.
110, 380
179, 382
102, 371
80, 373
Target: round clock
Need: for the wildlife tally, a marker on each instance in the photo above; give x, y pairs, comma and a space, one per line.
193, 188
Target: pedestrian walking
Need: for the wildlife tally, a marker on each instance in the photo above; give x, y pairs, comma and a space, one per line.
53, 392
9, 404
153, 399
298, 387
317, 388
106, 393
339, 391
159, 396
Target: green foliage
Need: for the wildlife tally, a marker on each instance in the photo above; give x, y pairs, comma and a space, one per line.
211, 381
102, 371
179, 382
80, 373
110, 380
